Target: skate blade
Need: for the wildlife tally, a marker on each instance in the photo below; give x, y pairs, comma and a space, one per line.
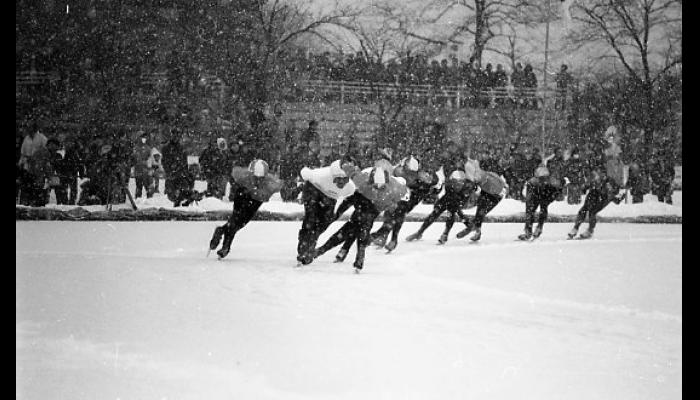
357, 271
208, 252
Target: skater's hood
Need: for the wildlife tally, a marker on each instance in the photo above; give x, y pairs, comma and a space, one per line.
259, 168
336, 170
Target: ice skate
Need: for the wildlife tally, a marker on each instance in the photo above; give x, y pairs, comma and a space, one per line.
476, 236
414, 236
464, 232
442, 239
538, 232
358, 266
572, 233
587, 234
390, 246
379, 241
525, 236
340, 257
222, 253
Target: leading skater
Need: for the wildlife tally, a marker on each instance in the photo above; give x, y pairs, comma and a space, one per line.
321, 190
251, 186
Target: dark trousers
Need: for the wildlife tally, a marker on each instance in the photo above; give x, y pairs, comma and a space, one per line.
244, 208
450, 201
60, 192
393, 220
484, 205
531, 207
72, 185
595, 203
356, 229
318, 215
143, 180
32, 192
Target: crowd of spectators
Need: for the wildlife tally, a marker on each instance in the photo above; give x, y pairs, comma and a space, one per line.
480, 87
105, 158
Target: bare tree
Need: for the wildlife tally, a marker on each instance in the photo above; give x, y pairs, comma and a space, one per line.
643, 35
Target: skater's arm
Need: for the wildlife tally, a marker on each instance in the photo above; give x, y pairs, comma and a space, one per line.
347, 203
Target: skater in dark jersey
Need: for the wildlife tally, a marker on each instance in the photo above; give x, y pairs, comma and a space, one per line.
602, 190
491, 189
540, 194
419, 182
252, 186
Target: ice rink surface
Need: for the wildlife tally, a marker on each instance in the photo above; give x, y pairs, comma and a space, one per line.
134, 310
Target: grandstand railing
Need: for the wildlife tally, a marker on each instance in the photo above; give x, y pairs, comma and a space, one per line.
353, 91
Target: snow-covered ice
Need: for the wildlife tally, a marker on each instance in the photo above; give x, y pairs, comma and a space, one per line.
134, 310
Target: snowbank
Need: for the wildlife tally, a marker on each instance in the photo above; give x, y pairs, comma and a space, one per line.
160, 208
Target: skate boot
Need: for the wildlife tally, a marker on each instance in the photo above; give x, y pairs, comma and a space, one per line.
358, 266
414, 236
464, 232
526, 236
216, 238
378, 240
443, 239
391, 245
538, 232
587, 234
572, 233
476, 236
340, 257
223, 252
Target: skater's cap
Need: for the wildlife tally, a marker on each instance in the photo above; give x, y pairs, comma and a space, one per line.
259, 168
541, 172
379, 179
336, 170
412, 164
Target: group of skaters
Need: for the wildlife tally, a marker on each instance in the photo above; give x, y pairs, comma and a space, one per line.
394, 187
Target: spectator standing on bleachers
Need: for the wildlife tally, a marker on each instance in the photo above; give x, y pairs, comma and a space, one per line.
31, 189
500, 82
563, 80
142, 172
530, 83
517, 78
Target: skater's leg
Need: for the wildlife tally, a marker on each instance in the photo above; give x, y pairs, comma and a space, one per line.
345, 232
364, 227
244, 208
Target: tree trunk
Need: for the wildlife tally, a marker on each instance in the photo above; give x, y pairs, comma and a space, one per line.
479, 31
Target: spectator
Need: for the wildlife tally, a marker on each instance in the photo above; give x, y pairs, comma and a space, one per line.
311, 133
155, 166
74, 163
530, 83
557, 167
142, 172
575, 173
31, 189
179, 182
55, 174
662, 173
216, 167
563, 80
517, 78
535, 158
637, 182
500, 81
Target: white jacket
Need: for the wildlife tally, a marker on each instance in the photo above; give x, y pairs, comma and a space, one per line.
322, 179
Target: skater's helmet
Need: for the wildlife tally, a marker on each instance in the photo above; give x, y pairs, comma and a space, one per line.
336, 170
541, 172
411, 164
378, 177
259, 168
472, 170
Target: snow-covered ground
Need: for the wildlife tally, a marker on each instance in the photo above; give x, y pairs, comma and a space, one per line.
650, 207
133, 310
